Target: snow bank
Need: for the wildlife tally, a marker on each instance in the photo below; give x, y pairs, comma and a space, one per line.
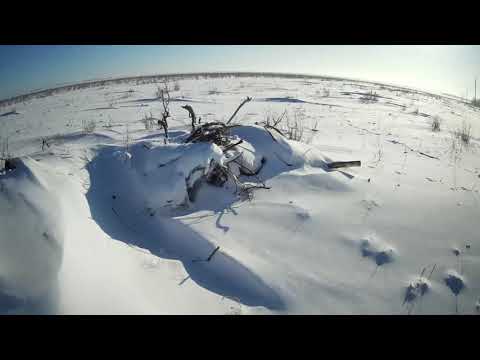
31, 235
152, 176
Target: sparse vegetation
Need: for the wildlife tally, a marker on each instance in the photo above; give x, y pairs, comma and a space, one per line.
176, 86
436, 121
165, 97
161, 90
295, 126
5, 156
89, 126
108, 123
292, 129
464, 133
369, 97
148, 121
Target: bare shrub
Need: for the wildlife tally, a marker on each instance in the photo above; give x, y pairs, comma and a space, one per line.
162, 89
5, 156
436, 121
272, 121
165, 97
89, 126
326, 93
369, 97
108, 124
4, 153
464, 133
176, 86
295, 126
148, 121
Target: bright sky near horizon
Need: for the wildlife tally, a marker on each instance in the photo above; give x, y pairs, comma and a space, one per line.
440, 68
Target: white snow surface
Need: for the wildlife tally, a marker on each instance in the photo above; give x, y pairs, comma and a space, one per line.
101, 223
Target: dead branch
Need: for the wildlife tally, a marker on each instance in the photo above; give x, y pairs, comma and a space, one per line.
214, 132
228, 147
165, 97
209, 257
340, 164
213, 253
274, 128
235, 113
269, 133
191, 114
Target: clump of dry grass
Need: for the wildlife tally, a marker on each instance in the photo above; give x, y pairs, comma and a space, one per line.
464, 133
89, 126
436, 121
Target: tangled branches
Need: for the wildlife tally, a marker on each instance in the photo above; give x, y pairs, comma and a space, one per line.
218, 133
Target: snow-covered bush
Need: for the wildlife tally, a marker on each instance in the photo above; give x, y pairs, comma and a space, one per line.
176, 86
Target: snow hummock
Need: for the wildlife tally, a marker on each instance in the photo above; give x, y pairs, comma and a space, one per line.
105, 222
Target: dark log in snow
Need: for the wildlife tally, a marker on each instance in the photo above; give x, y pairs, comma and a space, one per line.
341, 164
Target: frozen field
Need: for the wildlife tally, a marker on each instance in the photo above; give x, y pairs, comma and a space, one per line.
98, 222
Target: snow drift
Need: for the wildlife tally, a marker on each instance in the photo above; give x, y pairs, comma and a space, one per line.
31, 236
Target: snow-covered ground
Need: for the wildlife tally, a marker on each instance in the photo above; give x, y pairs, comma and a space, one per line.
101, 222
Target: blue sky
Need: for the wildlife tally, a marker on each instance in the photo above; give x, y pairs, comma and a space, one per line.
432, 67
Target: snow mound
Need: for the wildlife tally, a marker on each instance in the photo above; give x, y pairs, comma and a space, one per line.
374, 248
31, 237
417, 288
454, 281
154, 176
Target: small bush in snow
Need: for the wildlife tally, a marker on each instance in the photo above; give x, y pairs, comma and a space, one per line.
295, 127
369, 97
88, 126
5, 156
176, 86
148, 121
326, 93
464, 133
436, 124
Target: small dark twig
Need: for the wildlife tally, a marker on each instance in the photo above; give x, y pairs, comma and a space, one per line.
209, 257
213, 253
